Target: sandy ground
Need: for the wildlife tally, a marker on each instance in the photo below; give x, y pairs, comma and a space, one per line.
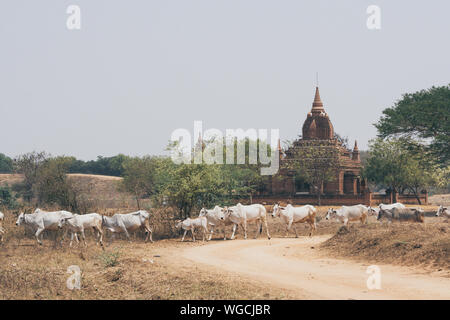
296, 265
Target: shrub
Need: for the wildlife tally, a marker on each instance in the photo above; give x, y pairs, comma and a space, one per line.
110, 258
7, 200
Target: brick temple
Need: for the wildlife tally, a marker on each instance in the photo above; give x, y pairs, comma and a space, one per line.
318, 131
347, 187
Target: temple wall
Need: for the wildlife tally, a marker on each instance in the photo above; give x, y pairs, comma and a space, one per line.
377, 198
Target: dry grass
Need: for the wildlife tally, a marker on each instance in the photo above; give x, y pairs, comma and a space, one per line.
143, 271
439, 199
426, 245
10, 179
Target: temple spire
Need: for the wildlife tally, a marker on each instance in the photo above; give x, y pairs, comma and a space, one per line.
280, 150
317, 104
355, 153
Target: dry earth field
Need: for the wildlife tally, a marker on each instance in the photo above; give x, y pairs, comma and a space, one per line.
414, 259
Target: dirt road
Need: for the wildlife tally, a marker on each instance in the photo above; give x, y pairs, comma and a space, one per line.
296, 265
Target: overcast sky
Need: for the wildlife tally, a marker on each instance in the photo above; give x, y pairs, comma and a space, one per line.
137, 70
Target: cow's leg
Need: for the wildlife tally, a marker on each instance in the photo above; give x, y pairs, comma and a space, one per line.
39, 233
97, 233
363, 219
77, 238
100, 236
211, 233
267, 228
193, 234
258, 226
84, 237
149, 235
346, 222
295, 229
234, 230
124, 229
148, 231
245, 229
313, 227
182, 239
71, 239
288, 227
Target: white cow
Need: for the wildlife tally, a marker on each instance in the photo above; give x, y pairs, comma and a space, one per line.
291, 215
215, 218
382, 206
192, 224
443, 212
402, 214
129, 222
391, 206
242, 215
2, 231
42, 220
79, 223
346, 214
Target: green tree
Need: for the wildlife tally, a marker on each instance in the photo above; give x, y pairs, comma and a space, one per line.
110, 166
52, 185
28, 164
6, 164
423, 116
194, 186
7, 199
392, 164
419, 176
145, 177
244, 180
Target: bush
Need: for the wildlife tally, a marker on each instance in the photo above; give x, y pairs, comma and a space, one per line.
6, 164
110, 258
7, 200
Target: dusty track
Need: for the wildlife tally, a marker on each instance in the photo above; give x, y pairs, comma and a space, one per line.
294, 265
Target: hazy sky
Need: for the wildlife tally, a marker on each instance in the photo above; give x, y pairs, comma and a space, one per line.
137, 70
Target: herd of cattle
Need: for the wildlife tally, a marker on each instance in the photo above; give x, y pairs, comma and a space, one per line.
239, 215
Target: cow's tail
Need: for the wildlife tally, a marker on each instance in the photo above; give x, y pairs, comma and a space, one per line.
260, 228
